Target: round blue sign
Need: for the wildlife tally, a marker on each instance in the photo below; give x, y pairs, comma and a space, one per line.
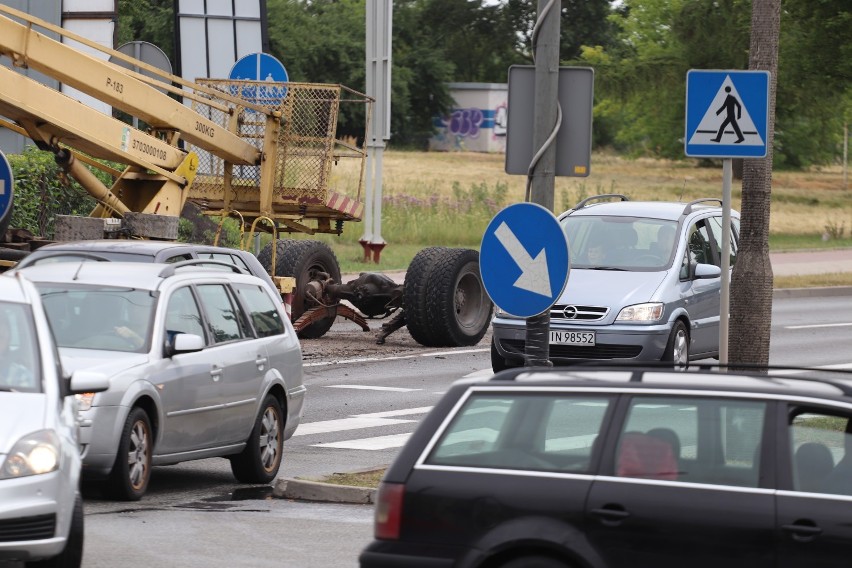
261, 67
7, 186
524, 259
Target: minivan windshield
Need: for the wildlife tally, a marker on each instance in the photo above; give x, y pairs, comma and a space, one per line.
599, 242
19, 352
99, 317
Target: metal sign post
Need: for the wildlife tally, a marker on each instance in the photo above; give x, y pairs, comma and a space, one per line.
379, 26
727, 116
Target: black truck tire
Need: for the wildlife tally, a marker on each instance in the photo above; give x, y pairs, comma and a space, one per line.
303, 260
444, 298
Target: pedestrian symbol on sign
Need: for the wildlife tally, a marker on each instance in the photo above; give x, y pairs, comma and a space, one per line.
726, 120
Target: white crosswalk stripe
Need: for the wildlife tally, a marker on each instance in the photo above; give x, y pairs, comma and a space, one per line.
376, 443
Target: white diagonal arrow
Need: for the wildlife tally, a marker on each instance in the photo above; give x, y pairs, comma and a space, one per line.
534, 276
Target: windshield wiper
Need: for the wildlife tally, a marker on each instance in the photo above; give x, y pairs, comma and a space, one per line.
606, 268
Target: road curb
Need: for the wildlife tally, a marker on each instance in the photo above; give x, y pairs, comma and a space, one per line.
818, 292
305, 490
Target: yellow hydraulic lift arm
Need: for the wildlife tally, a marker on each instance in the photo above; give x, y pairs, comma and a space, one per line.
115, 86
55, 115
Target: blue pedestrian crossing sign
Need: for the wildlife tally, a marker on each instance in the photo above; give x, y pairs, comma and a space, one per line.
261, 67
523, 259
6, 189
727, 113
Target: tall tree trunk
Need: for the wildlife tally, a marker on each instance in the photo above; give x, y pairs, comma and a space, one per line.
751, 283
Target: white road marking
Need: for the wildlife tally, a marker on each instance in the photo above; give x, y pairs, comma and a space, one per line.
396, 358
368, 387
377, 443
400, 412
344, 424
818, 325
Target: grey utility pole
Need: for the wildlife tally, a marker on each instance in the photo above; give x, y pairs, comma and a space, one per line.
543, 169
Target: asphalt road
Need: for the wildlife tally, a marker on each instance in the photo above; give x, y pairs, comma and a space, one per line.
362, 404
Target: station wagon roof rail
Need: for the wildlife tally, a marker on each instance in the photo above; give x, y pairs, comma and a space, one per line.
633, 374
602, 196
690, 206
172, 268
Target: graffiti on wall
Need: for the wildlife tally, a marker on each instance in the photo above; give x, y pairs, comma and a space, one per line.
468, 129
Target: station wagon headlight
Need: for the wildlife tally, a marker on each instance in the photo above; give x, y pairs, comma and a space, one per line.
34, 454
641, 312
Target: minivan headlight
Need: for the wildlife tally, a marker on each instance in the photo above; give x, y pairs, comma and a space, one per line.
34, 454
641, 312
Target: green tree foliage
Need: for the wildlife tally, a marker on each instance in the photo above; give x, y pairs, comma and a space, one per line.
640, 79
583, 23
147, 20
640, 49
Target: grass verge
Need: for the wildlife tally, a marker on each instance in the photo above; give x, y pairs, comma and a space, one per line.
358, 479
813, 280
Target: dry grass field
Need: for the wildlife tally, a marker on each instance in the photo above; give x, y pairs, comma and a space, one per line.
802, 202
810, 209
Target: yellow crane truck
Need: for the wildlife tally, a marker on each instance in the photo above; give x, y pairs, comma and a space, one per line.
264, 153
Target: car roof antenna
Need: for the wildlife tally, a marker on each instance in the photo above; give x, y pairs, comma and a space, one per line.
682, 190
79, 268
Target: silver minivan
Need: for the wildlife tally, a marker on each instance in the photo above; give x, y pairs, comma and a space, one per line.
644, 284
202, 363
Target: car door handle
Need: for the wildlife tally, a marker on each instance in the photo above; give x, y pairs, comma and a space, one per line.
260, 362
803, 530
610, 515
216, 372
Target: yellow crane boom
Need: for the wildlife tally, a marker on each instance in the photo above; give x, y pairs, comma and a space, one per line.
260, 151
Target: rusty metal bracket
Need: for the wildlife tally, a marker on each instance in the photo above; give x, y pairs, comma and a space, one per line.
318, 313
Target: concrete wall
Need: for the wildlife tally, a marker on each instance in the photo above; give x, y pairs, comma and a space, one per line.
477, 122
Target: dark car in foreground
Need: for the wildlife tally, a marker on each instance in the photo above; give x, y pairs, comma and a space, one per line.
595, 467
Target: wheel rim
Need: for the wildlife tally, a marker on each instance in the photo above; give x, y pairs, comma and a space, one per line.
680, 349
468, 301
270, 439
137, 455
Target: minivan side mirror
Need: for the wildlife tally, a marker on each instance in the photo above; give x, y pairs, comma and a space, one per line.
705, 271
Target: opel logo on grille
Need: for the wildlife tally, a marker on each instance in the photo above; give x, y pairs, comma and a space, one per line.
570, 312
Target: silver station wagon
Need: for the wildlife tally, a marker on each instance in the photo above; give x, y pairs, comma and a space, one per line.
202, 363
644, 285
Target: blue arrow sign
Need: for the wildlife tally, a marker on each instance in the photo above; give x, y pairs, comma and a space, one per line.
261, 67
524, 259
727, 113
7, 185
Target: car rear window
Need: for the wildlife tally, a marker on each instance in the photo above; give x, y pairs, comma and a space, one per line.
265, 318
541, 432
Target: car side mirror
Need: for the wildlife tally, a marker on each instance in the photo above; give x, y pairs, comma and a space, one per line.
186, 343
706, 271
83, 381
